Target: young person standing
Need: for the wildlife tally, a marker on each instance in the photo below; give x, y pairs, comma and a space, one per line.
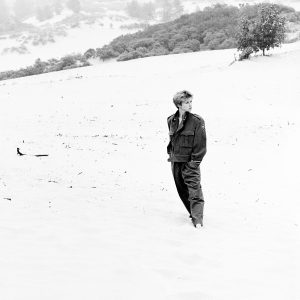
186, 150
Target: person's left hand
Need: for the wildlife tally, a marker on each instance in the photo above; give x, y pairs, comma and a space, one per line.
194, 163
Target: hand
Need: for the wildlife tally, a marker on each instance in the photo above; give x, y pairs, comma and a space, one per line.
194, 163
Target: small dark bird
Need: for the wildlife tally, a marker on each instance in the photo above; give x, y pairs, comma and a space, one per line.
19, 153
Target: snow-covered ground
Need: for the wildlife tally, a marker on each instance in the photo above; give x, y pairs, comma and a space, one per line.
99, 218
68, 39
78, 40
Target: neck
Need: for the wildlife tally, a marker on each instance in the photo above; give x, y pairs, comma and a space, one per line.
181, 113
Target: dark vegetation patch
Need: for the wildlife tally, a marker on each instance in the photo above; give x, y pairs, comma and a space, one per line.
213, 28
51, 65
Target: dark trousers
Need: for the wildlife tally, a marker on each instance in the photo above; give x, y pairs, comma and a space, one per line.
187, 180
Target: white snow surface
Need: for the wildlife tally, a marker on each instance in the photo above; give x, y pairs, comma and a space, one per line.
78, 40
100, 218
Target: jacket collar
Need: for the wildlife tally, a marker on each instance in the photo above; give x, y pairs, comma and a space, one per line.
176, 119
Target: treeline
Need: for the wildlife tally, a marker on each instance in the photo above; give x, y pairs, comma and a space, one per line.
51, 65
213, 28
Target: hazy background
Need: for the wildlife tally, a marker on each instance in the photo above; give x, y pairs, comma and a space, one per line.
32, 29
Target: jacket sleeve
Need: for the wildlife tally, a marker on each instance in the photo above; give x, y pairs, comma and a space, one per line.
169, 143
169, 121
199, 147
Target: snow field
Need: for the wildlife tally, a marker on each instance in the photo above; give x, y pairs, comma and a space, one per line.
100, 217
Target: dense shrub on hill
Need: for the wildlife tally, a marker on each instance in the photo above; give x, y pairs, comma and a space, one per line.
90, 53
129, 55
157, 49
187, 46
106, 52
213, 28
52, 65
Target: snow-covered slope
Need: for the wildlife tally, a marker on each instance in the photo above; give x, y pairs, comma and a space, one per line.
64, 41
99, 218
69, 33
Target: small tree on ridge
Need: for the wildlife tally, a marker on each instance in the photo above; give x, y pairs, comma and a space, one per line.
262, 32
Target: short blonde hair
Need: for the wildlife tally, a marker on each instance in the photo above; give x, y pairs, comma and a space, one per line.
179, 97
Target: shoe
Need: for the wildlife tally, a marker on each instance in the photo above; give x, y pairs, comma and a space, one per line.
198, 225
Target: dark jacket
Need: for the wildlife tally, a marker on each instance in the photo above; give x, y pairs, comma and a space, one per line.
187, 140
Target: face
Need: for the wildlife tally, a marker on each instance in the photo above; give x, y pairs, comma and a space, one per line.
186, 105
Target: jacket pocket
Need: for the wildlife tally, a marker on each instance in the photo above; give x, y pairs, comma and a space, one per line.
187, 138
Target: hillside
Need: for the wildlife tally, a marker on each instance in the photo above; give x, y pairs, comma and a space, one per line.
99, 218
62, 35
213, 28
